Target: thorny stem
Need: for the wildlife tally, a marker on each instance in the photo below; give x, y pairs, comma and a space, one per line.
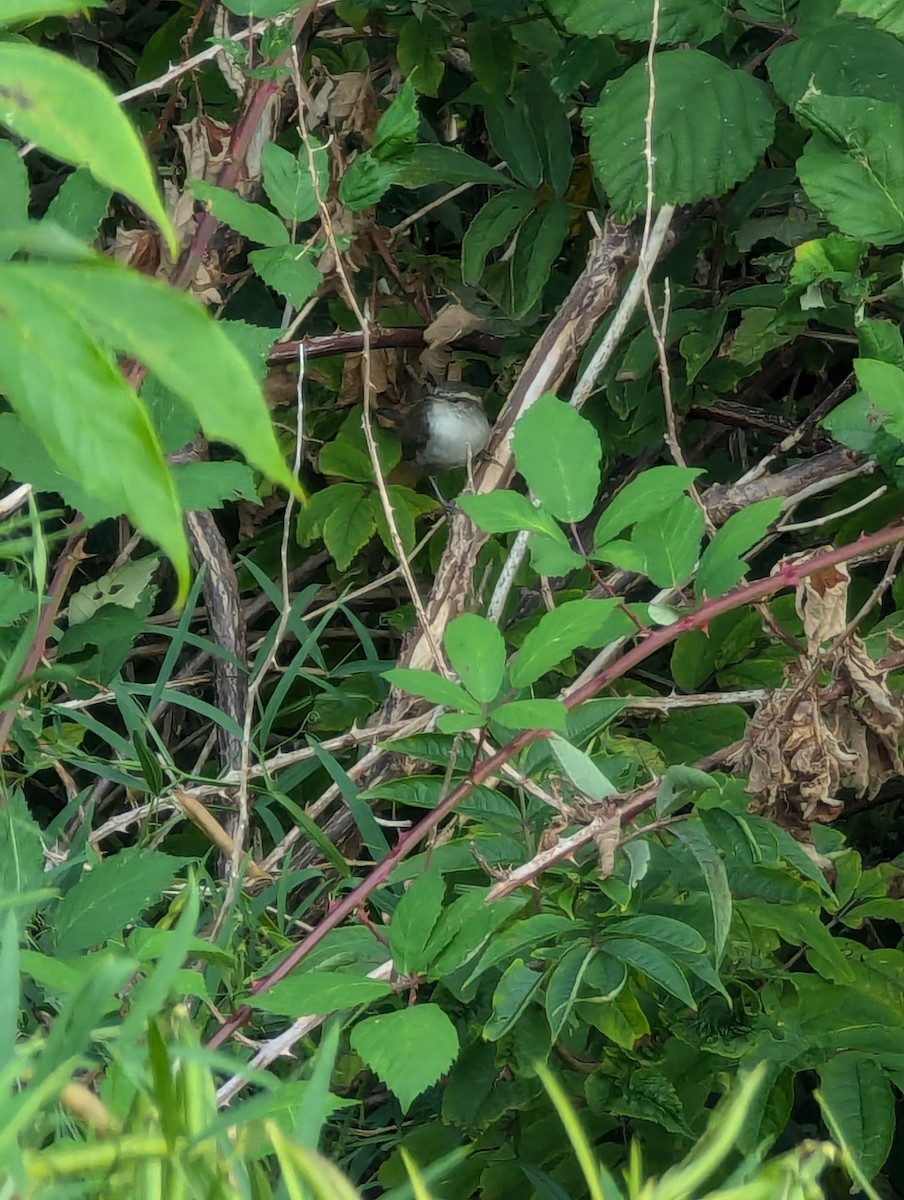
787, 575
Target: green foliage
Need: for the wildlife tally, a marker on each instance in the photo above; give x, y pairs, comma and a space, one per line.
602, 971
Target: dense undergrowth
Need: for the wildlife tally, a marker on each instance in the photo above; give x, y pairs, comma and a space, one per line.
545, 844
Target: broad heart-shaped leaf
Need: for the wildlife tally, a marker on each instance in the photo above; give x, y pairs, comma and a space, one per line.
408, 1049
69, 112
853, 168
113, 894
721, 566
652, 492
476, 651
413, 922
556, 635
855, 1093
316, 992
288, 180
581, 769
498, 218
558, 453
176, 338
710, 125
653, 963
89, 420
695, 21
432, 687
532, 714
252, 221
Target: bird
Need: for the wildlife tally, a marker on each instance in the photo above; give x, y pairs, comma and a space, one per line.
443, 430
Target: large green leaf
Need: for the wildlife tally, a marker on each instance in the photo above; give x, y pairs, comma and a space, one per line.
721, 565
847, 58
710, 125
652, 492
556, 635
315, 992
68, 111
175, 337
115, 892
77, 402
558, 452
855, 1090
694, 21
413, 922
408, 1049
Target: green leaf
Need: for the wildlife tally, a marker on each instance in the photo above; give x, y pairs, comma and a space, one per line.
125, 586
651, 493
443, 164
288, 181
556, 635
14, 195
693, 835
89, 420
507, 512
476, 651
856, 1090
289, 270
552, 130
675, 935
316, 992
581, 769
884, 385
532, 714
512, 137
413, 922
432, 687
421, 40
853, 167
396, 132
80, 205
15, 11
408, 1049
558, 452
711, 124
21, 849
68, 111
350, 523
695, 21
721, 566
564, 985
539, 244
847, 58
652, 963
553, 556
366, 181
664, 548
175, 337
202, 485
514, 992
252, 221
498, 218
112, 894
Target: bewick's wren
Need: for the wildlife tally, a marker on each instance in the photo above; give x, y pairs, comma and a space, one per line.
441, 431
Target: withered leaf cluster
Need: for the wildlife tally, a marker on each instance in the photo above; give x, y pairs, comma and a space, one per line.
834, 725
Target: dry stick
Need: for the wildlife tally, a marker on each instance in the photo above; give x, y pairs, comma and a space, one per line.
788, 575
70, 556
